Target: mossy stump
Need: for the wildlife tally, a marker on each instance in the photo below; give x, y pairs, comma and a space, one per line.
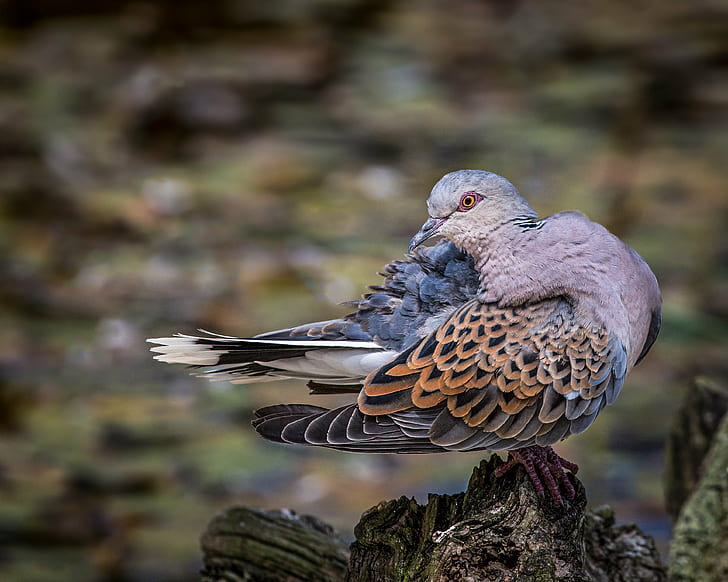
255, 545
497, 530
697, 484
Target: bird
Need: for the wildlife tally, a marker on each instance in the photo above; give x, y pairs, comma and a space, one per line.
511, 333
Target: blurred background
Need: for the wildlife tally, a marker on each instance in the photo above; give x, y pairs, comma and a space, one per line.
241, 166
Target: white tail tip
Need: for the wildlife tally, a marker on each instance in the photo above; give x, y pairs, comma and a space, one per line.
184, 350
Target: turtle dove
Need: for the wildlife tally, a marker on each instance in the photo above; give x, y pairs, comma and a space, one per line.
512, 334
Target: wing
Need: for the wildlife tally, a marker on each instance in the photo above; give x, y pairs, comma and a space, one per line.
487, 378
655, 324
337, 355
416, 294
503, 378
346, 428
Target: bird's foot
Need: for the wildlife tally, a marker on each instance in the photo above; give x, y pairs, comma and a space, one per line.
546, 470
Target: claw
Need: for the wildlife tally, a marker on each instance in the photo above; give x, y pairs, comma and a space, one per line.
545, 468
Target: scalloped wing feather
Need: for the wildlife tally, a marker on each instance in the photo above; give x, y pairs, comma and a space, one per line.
503, 377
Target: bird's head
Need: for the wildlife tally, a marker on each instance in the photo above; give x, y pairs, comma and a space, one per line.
467, 202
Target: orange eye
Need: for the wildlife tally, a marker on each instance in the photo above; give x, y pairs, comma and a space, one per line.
468, 200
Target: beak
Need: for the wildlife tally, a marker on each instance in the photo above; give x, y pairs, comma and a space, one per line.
428, 230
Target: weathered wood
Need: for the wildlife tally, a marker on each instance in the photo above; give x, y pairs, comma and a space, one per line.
498, 530
699, 549
254, 545
691, 437
620, 553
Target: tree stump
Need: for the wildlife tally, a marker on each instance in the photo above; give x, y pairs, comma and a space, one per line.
254, 545
698, 485
497, 530
691, 438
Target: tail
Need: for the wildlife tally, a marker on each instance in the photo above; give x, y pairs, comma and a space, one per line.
245, 360
346, 429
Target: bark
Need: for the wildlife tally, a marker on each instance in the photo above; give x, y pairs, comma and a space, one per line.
253, 545
691, 438
698, 470
497, 530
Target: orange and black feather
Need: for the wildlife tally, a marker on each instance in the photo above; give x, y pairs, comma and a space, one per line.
502, 377
487, 378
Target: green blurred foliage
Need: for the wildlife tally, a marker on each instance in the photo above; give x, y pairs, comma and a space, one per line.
244, 166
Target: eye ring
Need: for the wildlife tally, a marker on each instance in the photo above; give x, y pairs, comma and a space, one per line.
468, 201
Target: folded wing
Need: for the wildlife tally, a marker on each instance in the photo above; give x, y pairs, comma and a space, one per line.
486, 378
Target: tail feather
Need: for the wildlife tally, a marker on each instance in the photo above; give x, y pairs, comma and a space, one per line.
321, 388
344, 428
271, 421
244, 360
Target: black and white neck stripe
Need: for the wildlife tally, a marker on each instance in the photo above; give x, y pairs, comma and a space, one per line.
529, 222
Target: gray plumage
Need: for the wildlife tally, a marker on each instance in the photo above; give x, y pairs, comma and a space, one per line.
514, 332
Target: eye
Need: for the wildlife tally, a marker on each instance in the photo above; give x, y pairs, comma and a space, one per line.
468, 200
